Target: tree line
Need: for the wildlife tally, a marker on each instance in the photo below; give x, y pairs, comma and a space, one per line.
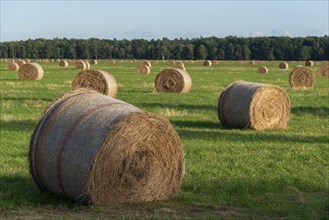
212, 48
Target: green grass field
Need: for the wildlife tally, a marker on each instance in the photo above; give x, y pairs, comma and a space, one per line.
230, 174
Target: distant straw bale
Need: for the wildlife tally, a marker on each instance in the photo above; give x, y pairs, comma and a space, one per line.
173, 80
301, 78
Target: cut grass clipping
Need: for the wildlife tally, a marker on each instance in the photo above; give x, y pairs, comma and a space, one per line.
30, 71
101, 81
302, 78
173, 80
98, 150
253, 105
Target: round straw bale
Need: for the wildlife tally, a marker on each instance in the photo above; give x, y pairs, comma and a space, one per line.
309, 63
251, 62
30, 71
82, 65
146, 63
283, 65
301, 78
63, 63
254, 105
101, 81
207, 63
262, 70
173, 80
20, 62
98, 150
179, 65
93, 62
143, 69
13, 67
324, 70
45, 60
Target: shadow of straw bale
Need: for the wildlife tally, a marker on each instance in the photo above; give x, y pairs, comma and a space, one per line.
18, 125
250, 136
178, 106
316, 111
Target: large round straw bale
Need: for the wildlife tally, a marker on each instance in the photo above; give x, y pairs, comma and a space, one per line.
254, 105
262, 70
309, 63
207, 63
146, 62
143, 69
324, 70
173, 80
13, 67
283, 65
98, 150
101, 81
63, 63
301, 78
30, 71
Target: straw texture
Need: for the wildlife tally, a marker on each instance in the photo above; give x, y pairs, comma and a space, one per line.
301, 78
30, 71
98, 150
101, 81
173, 80
253, 105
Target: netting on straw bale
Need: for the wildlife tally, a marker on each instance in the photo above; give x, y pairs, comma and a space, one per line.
101, 81
253, 105
262, 70
283, 65
173, 80
30, 71
143, 69
13, 67
301, 78
98, 150
207, 63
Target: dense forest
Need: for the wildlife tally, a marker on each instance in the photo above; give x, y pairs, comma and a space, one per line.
212, 48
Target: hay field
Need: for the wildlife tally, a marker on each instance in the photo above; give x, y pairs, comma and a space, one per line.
272, 174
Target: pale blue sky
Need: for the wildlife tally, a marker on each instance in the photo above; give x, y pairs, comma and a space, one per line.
22, 20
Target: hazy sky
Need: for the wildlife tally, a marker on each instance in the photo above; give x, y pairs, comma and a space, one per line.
22, 20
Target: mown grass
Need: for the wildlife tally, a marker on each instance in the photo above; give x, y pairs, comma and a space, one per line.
275, 174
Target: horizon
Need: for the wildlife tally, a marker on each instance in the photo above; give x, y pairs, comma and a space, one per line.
128, 20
